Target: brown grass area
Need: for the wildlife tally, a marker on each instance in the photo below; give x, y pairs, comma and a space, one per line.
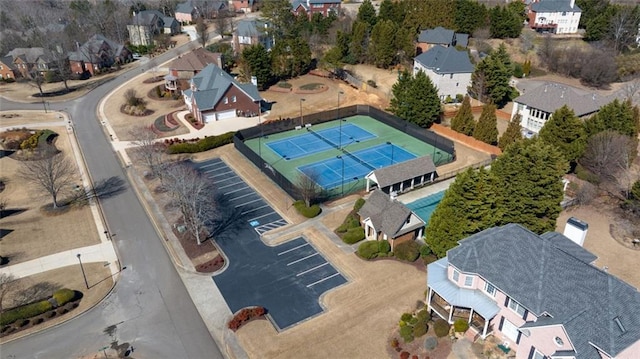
34, 234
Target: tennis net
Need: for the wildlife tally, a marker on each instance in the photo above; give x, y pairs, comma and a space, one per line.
323, 138
357, 159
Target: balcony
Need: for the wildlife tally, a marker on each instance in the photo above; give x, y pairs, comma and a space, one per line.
544, 26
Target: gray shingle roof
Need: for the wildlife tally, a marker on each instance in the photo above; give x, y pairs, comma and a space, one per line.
212, 83
554, 6
92, 49
31, 54
184, 8
390, 175
387, 215
542, 276
569, 247
439, 35
8, 61
195, 60
445, 60
146, 17
551, 96
251, 27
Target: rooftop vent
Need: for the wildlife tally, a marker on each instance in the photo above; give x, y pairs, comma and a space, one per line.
619, 324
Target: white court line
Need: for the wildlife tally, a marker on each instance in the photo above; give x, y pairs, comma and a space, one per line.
255, 209
229, 185
212, 164
244, 195
323, 279
303, 258
237, 190
264, 215
243, 204
292, 249
312, 269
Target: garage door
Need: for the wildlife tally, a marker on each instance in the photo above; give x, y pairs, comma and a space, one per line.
209, 117
223, 115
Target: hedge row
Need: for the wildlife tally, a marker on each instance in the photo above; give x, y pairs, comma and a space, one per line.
204, 144
64, 296
373, 249
308, 212
353, 235
25, 312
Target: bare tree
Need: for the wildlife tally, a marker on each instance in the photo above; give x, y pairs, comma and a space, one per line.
7, 283
623, 27
201, 30
607, 156
527, 39
148, 150
631, 88
223, 24
308, 188
53, 175
36, 79
192, 194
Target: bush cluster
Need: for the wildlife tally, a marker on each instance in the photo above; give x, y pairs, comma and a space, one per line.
24, 312
374, 249
414, 325
350, 230
353, 235
460, 325
245, 315
31, 142
407, 251
441, 328
202, 145
64, 296
308, 212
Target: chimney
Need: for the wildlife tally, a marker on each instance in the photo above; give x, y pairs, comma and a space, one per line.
254, 80
576, 230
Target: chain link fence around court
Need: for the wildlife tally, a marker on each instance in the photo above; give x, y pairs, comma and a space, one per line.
268, 128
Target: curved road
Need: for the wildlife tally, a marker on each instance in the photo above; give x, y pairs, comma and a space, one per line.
149, 308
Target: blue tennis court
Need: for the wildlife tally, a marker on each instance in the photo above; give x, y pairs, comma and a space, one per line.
330, 172
311, 141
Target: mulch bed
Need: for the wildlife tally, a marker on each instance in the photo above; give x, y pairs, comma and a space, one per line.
416, 348
23, 324
318, 89
147, 112
153, 79
193, 250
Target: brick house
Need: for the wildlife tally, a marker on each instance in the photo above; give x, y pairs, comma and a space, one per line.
8, 69
252, 32
554, 16
214, 95
540, 295
440, 36
448, 68
27, 59
187, 13
96, 54
245, 6
190, 64
384, 218
324, 7
144, 26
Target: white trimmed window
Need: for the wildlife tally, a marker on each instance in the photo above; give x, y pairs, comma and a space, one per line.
537, 355
468, 281
456, 275
516, 307
233, 99
490, 289
226, 100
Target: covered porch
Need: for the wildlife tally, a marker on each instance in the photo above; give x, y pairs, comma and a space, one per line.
451, 302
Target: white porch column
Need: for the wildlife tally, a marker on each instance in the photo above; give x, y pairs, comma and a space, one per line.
450, 312
429, 298
484, 330
368, 184
432, 175
470, 315
420, 232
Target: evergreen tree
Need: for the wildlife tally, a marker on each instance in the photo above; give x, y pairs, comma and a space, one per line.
463, 122
529, 175
392, 10
490, 79
506, 22
415, 99
367, 14
512, 134
469, 16
258, 63
382, 47
279, 15
400, 90
486, 129
468, 206
502, 56
358, 43
565, 131
618, 116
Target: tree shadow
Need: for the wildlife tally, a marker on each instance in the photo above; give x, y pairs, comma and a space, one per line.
103, 189
4, 232
10, 212
35, 292
5, 153
228, 219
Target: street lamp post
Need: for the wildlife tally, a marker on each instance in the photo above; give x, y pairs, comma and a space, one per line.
338, 117
301, 118
261, 133
342, 177
390, 144
82, 269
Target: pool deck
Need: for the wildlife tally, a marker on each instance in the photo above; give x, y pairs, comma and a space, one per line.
425, 191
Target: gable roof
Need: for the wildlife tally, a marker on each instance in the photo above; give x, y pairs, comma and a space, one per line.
402, 171
387, 215
212, 83
445, 60
251, 27
439, 35
31, 54
147, 17
8, 61
554, 6
561, 288
551, 96
90, 51
185, 8
195, 60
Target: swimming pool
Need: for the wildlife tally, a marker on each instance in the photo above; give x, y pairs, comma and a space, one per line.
424, 207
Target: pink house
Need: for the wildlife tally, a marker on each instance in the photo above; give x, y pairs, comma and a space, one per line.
540, 295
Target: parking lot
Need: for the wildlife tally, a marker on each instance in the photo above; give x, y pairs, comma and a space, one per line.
288, 279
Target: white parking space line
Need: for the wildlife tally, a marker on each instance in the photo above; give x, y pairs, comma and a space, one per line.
243, 204
236, 190
293, 249
264, 215
312, 269
303, 258
229, 185
220, 174
222, 180
323, 279
244, 195
255, 209
213, 164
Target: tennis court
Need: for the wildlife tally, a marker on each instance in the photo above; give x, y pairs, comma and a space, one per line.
318, 141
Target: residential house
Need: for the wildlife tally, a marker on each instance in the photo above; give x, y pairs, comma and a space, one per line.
187, 12
144, 26
402, 177
324, 7
448, 68
440, 36
27, 59
96, 54
540, 295
554, 16
538, 104
8, 69
245, 6
384, 218
214, 95
252, 32
187, 65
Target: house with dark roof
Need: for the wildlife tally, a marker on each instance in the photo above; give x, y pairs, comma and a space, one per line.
252, 32
554, 16
536, 105
187, 65
148, 23
387, 219
440, 36
96, 54
310, 7
540, 295
187, 12
448, 68
214, 95
8, 69
245, 6
402, 177
27, 59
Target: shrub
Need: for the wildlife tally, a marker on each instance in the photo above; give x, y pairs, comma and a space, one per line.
406, 317
383, 247
353, 235
430, 343
404, 355
372, 83
202, 145
420, 329
425, 250
424, 315
308, 212
585, 175
635, 190
448, 99
406, 333
24, 312
31, 142
459, 98
460, 325
64, 296
407, 251
441, 328
518, 70
395, 343
359, 203
368, 249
